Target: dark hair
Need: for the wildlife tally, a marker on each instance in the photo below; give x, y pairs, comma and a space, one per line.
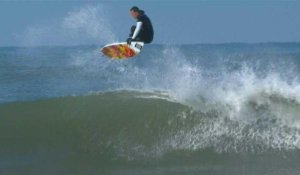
135, 9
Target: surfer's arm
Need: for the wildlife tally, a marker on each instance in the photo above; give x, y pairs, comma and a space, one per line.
137, 29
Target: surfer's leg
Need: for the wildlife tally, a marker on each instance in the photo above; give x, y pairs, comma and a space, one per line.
132, 31
137, 38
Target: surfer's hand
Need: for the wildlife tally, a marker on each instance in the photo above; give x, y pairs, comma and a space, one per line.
129, 41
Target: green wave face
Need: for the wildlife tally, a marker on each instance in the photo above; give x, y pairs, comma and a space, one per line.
99, 125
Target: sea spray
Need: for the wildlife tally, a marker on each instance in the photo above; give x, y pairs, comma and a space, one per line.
86, 25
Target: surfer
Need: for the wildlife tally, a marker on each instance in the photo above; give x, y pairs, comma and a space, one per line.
143, 31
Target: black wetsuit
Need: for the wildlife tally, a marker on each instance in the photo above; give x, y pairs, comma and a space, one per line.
146, 33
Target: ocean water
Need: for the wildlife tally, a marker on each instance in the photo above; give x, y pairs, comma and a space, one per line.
174, 109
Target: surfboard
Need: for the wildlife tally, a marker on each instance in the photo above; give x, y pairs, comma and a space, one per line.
122, 50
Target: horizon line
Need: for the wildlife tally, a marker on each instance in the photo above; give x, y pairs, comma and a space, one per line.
219, 43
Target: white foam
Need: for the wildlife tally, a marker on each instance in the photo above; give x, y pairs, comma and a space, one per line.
255, 112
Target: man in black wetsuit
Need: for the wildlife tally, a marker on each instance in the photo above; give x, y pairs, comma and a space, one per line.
143, 31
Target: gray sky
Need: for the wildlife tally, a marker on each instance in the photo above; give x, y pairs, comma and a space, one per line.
62, 22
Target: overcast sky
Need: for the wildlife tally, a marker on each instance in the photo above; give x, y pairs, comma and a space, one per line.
62, 22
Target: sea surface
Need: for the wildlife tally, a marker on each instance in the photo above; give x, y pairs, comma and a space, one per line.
211, 109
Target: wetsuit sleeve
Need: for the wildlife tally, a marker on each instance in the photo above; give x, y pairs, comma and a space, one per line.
137, 29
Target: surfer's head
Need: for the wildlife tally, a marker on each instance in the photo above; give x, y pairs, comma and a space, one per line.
134, 12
